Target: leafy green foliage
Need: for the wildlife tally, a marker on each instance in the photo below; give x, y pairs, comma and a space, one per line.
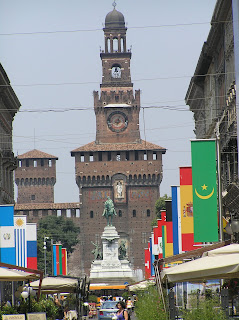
57, 229
150, 306
92, 298
7, 310
207, 309
159, 205
45, 305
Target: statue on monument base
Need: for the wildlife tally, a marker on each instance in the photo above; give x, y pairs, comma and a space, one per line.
109, 211
122, 251
97, 252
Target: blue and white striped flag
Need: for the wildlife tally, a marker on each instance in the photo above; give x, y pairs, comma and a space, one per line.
20, 240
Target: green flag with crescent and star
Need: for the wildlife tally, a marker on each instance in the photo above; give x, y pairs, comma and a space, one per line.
204, 176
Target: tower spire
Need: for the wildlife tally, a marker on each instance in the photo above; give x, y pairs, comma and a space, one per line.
114, 4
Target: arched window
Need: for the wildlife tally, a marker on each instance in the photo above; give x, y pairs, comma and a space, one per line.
91, 214
122, 44
108, 44
134, 213
115, 44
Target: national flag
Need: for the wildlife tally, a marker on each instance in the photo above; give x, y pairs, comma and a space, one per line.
161, 222
168, 204
167, 231
167, 236
57, 259
154, 237
152, 273
204, 178
31, 235
147, 262
7, 241
64, 261
20, 240
186, 208
176, 217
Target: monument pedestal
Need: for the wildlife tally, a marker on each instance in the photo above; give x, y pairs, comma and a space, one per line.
110, 267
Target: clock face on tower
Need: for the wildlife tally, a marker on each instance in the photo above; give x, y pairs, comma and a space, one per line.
116, 72
117, 121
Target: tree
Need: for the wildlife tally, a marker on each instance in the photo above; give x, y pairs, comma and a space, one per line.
160, 205
149, 305
57, 229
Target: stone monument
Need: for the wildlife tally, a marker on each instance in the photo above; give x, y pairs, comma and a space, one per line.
113, 264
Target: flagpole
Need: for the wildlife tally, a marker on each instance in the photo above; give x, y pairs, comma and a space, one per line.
219, 182
235, 15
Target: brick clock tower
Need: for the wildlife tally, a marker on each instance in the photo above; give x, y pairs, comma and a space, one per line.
118, 163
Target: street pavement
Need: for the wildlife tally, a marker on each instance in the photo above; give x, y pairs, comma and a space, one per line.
133, 317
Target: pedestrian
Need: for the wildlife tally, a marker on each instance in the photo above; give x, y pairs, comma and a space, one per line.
122, 314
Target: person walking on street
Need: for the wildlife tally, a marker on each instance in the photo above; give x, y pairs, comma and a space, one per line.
122, 314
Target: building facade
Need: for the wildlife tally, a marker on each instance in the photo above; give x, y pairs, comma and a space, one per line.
118, 164
9, 105
35, 177
212, 98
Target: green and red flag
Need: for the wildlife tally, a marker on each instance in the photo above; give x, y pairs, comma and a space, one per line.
204, 181
57, 259
64, 261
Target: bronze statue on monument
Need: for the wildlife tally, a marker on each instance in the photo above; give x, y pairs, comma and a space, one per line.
109, 211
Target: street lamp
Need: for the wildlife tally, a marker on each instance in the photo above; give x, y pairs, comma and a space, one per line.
44, 248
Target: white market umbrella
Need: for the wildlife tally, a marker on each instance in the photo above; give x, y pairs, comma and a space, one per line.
56, 284
221, 263
16, 275
142, 285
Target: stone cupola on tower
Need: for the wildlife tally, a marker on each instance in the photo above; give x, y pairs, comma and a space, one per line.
35, 177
